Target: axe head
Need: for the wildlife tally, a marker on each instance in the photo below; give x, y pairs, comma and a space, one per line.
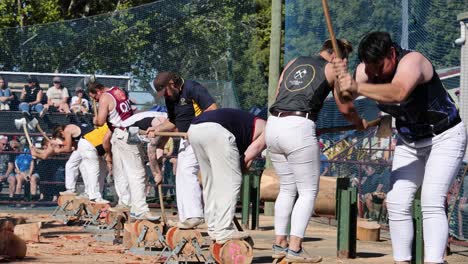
384, 130
19, 123
133, 136
33, 124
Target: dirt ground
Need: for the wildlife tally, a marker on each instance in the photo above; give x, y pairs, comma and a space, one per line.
73, 244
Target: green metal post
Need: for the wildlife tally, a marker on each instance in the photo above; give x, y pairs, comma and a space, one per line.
418, 240
346, 214
274, 69
255, 199
245, 199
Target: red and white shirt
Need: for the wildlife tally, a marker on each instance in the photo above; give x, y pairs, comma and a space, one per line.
122, 109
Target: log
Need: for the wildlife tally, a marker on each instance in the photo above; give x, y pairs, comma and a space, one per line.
233, 251
325, 203
129, 236
152, 237
269, 185
29, 232
11, 245
176, 235
368, 230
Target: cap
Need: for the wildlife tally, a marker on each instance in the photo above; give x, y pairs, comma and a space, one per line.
3, 138
79, 89
32, 79
57, 79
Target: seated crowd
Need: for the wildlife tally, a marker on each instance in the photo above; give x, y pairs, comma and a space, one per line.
31, 179
32, 97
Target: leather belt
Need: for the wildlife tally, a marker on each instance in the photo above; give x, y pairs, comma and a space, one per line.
427, 131
307, 115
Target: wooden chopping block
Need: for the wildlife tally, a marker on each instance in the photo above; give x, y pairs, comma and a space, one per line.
151, 237
29, 232
74, 201
101, 208
233, 251
129, 236
175, 235
11, 245
368, 230
325, 202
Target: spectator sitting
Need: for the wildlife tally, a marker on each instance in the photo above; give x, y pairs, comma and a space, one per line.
79, 104
7, 167
374, 187
24, 169
5, 95
31, 97
57, 98
49, 170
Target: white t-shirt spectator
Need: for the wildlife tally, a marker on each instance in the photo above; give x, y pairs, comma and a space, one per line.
56, 95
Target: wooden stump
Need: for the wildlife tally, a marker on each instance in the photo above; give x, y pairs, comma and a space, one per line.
11, 245
74, 202
129, 236
95, 208
325, 204
232, 252
176, 235
29, 232
169, 236
215, 250
368, 230
151, 238
120, 217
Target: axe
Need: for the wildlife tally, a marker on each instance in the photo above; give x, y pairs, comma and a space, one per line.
384, 127
23, 123
34, 124
346, 95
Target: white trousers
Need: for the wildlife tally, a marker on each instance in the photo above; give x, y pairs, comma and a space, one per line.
91, 167
188, 190
129, 173
72, 170
216, 150
432, 164
295, 155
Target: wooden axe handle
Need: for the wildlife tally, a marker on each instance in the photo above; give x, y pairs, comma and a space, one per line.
26, 133
346, 96
172, 134
39, 128
161, 203
95, 110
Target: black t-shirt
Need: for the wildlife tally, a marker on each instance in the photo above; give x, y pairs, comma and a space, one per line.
304, 86
192, 101
31, 93
240, 123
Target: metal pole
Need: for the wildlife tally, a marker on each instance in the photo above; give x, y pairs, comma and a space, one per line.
275, 50
274, 69
404, 24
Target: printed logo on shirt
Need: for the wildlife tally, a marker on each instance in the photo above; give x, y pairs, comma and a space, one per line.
182, 101
300, 77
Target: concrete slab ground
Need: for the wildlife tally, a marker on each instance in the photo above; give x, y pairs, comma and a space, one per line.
73, 244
